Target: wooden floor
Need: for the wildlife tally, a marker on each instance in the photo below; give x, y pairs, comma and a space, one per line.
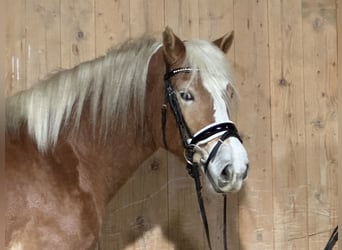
285, 58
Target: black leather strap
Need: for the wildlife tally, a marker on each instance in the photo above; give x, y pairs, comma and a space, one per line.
228, 128
333, 239
215, 129
171, 99
225, 240
195, 175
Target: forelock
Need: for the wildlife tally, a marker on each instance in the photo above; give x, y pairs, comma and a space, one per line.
212, 66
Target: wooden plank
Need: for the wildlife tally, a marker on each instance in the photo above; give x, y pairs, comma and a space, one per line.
15, 44
42, 40
137, 217
146, 17
320, 79
215, 20
112, 24
254, 120
339, 58
288, 127
182, 17
78, 32
252, 66
318, 241
185, 225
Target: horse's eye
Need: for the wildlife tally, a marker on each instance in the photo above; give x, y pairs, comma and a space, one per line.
186, 96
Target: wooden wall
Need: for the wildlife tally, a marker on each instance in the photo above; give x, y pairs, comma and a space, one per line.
339, 74
285, 59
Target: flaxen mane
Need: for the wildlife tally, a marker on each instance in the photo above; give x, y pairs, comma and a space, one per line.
108, 83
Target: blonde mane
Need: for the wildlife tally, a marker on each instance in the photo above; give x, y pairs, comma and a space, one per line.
108, 84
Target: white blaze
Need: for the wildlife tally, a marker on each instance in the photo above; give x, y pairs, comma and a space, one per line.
221, 114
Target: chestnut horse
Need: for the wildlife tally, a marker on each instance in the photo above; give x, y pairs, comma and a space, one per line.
75, 138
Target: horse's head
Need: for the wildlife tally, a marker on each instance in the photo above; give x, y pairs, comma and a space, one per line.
196, 87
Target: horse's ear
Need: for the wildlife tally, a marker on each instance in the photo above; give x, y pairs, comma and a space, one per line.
225, 42
174, 48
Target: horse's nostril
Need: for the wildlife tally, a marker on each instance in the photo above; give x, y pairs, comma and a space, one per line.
226, 173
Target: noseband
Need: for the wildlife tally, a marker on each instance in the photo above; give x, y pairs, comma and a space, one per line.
227, 128
190, 141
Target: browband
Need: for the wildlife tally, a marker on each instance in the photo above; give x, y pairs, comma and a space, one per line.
173, 72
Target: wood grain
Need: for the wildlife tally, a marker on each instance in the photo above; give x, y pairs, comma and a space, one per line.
320, 83
78, 38
254, 122
288, 125
339, 64
15, 42
112, 21
43, 39
137, 217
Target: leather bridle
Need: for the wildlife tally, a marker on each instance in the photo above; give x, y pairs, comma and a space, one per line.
189, 140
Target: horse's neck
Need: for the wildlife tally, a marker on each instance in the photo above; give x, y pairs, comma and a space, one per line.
105, 166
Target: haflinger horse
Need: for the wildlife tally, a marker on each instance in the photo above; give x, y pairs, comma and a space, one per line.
76, 137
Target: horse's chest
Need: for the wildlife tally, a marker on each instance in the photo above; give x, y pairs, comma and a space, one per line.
46, 208
51, 223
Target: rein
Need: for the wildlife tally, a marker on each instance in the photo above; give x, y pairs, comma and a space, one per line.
333, 239
190, 141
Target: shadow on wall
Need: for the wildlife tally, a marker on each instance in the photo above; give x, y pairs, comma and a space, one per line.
176, 232
157, 209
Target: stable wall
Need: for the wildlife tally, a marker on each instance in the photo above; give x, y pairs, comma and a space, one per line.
285, 58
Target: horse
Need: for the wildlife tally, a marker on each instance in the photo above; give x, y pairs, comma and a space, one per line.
76, 137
